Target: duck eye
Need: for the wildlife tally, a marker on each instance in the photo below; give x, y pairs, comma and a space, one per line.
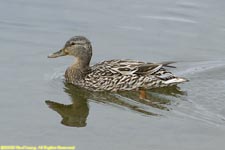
72, 43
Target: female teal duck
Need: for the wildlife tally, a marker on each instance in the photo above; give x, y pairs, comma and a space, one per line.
112, 75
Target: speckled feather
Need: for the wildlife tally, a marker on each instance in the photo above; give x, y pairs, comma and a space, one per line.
122, 75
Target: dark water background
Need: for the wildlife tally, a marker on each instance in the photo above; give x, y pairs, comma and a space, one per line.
191, 32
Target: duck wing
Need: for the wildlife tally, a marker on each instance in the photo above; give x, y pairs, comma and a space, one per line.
115, 75
137, 69
130, 67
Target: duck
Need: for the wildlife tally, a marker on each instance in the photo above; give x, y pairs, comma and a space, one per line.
113, 75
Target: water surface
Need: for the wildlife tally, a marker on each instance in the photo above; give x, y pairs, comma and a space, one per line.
38, 108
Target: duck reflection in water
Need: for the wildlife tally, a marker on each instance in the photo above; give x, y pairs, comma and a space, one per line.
75, 114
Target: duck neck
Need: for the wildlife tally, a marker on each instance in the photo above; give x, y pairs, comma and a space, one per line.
77, 71
81, 63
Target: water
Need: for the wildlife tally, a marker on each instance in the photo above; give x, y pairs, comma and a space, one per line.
37, 108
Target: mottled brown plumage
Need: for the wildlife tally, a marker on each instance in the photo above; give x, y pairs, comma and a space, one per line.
112, 75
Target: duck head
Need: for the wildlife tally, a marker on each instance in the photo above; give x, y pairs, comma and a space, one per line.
77, 46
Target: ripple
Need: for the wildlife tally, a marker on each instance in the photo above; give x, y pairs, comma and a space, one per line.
15, 23
131, 28
57, 75
167, 18
201, 67
205, 101
189, 5
200, 113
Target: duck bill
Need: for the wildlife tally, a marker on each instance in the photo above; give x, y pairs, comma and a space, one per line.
57, 54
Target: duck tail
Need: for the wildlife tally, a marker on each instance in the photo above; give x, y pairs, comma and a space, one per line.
175, 81
167, 64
